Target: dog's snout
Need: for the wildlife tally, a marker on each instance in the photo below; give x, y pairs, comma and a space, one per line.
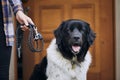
76, 35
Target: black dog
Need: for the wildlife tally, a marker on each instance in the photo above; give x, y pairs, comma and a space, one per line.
67, 57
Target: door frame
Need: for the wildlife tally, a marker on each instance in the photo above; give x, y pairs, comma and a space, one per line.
103, 20
117, 24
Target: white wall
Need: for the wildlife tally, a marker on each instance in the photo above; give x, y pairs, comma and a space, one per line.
117, 39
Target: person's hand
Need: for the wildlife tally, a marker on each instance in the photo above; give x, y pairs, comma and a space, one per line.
23, 19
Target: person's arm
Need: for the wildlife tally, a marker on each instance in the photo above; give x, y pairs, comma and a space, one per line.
20, 16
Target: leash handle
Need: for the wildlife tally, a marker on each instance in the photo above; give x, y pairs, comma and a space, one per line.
34, 39
35, 36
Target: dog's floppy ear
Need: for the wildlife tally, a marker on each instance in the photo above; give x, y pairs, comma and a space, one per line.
91, 36
58, 33
90, 39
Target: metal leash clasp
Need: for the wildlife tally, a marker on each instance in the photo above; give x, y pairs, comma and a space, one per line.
37, 35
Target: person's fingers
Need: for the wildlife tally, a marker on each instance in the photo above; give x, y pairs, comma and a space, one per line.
25, 22
24, 27
30, 20
23, 19
20, 21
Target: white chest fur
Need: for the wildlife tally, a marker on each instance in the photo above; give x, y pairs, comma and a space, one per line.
59, 68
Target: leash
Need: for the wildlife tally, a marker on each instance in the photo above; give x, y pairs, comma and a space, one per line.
34, 39
35, 43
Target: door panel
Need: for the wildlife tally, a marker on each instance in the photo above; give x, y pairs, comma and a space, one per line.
48, 14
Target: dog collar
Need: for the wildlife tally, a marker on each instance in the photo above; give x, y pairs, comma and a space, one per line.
74, 62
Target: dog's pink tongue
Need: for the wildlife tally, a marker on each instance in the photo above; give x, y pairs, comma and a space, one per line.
76, 48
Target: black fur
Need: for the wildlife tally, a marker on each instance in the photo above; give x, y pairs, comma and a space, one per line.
70, 32
39, 71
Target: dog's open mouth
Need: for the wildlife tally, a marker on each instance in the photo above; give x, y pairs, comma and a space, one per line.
76, 48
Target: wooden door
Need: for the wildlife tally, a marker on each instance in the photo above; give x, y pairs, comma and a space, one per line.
48, 14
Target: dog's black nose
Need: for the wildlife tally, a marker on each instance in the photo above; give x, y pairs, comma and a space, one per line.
76, 38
